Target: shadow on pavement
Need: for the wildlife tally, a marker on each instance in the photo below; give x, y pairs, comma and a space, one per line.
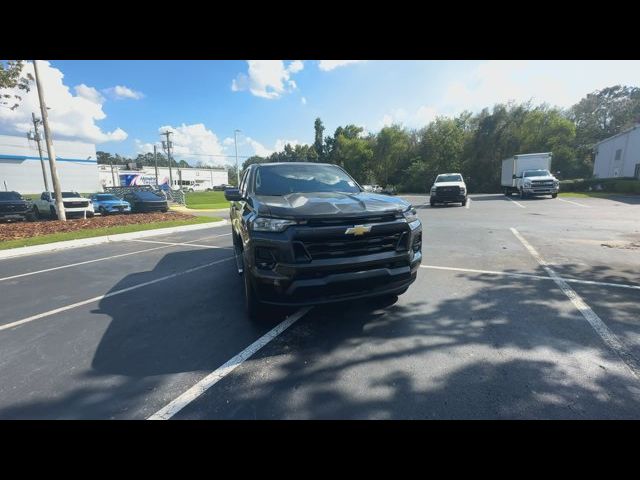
507, 348
495, 348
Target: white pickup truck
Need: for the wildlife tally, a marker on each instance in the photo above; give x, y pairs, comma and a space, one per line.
74, 205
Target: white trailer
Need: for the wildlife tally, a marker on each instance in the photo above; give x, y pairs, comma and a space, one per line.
513, 167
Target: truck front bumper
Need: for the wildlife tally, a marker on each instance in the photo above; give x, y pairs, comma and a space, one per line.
361, 277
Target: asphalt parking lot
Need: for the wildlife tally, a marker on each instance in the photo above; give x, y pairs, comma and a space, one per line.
523, 309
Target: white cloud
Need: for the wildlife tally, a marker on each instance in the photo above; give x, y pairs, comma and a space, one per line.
303, 100
267, 78
417, 119
281, 143
556, 82
120, 92
195, 143
258, 148
327, 65
71, 117
89, 93
296, 66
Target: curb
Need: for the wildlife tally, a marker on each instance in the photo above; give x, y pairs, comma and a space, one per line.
85, 242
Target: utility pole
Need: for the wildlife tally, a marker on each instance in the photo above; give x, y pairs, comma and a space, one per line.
113, 177
52, 154
36, 137
155, 159
235, 140
167, 146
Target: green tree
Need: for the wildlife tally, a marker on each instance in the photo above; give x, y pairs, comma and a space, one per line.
318, 144
391, 147
11, 78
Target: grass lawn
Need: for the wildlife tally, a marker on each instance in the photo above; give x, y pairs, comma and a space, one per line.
590, 194
98, 232
206, 200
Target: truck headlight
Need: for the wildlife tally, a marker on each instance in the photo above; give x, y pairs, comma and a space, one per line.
527, 183
266, 224
463, 190
433, 190
412, 218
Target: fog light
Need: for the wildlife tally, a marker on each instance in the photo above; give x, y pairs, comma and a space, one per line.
265, 258
417, 242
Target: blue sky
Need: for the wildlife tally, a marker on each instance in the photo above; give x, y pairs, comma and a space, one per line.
122, 105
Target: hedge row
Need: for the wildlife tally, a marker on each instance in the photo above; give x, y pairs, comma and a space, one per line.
614, 185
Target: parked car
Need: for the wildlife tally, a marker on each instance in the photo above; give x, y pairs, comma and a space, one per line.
106, 203
448, 188
14, 207
145, 201
306, 233
389, 190
221, 188
75, 205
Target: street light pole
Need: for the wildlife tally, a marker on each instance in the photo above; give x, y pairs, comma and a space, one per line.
52, 154
235, 141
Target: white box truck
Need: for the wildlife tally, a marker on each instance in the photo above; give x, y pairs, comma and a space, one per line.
529, 175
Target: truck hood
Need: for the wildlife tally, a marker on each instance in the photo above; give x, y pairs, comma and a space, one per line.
318, 204
544, 178
450, 184
111, 202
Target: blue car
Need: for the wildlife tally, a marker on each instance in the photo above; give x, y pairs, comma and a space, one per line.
106, 203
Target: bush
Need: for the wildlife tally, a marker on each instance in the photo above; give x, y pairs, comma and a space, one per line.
612, 185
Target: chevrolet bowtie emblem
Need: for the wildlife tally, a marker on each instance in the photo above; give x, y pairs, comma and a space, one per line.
358, 230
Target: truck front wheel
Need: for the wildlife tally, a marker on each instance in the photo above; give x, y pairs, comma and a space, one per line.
554, 195
52, 212
255, 310
522, 194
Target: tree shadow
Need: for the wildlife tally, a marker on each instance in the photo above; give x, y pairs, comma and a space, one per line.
496, 347
511, 349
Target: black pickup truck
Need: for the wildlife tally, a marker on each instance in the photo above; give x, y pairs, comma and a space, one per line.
14, 207
307, 233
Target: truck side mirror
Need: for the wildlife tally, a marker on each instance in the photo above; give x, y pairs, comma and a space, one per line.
232, 195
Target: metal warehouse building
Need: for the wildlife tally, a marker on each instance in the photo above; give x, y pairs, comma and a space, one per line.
196, 178
20, 168
618, 156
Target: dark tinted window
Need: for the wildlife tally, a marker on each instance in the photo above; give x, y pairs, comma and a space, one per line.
106, 197
449, 178
10, 196
70, 194
537, 173
148, 196
295, 178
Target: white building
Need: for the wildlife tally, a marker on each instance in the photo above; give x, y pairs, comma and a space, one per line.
196, 178
21, 171
618, 156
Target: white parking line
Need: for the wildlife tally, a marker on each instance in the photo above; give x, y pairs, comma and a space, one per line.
574, 203
168, 411
12, 277
178, 244
589, 315
108, 295
468, 205
535, 277
517, 203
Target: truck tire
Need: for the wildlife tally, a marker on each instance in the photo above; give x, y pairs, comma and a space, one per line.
522, 195
432, 203
36, 213
507, 192
554, 195
256, 311
52, 212
463, 203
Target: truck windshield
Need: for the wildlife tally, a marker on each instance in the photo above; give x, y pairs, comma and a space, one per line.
284, 179
68, 195
449, 178
537, 173
103, 198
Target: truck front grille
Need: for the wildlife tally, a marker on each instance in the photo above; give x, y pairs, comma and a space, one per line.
75, 204
350, 246
447, 191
